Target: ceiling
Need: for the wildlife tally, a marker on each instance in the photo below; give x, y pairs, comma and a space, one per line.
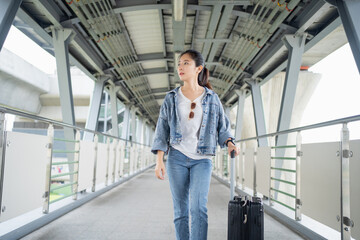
134, 43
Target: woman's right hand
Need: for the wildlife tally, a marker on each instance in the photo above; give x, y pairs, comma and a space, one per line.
160, 170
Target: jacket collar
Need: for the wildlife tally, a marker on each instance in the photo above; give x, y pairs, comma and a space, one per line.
207, 91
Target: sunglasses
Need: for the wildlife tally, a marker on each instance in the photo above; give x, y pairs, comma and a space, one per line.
193, 106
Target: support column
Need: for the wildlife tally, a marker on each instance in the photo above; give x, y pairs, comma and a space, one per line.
349, 14
295, 45
114, 111
94, 111
61, 39
8, 9
143, 132
258, 112
126, 123
133, 124
240, 113
106, 109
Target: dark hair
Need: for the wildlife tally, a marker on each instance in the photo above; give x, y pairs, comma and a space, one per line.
203, 77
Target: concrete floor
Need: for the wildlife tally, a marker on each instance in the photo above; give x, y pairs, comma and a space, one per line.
142, 209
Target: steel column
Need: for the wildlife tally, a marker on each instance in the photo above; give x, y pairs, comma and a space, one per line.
258, 112
240, 113
61, 40
133, 124
349, 13
94, 111
114, 111
126, 123
295, 45
8, 9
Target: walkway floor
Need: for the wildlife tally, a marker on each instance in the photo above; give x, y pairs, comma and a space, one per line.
142, 209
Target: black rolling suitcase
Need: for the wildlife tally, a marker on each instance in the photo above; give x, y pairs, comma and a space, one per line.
245, 214
245, 219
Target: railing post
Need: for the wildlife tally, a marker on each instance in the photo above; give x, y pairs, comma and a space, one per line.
243, 165
298, 177
96, 140
107, 160
122, 157
346, 222
272, 153
115, 143
76, 165
50, 134
2, 152
118, 156
131, 160
254, 164
237, 167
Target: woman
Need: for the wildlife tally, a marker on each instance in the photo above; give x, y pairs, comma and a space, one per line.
190, 123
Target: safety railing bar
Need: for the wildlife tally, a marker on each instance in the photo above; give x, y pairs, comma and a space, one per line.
308, 127
285, 193
61, 198
62, 163
62, 124
64, 151
288, 146
284, 169
284, 181
64, 140
63, 174
285, 205
62, 186
284, 158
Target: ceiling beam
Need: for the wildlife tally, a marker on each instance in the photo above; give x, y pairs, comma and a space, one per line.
210, 33
222, 25
267, 55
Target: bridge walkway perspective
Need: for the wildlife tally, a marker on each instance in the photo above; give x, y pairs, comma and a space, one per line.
142, 209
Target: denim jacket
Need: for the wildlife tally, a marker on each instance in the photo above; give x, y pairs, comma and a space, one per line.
215, 125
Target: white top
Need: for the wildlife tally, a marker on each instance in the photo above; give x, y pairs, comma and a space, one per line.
190, 127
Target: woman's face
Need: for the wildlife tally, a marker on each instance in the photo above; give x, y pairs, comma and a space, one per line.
187, 69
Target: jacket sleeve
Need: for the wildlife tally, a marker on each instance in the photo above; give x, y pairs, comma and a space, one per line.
223, 127
162, 131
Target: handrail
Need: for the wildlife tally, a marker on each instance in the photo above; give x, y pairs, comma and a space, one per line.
47, 120
312, 126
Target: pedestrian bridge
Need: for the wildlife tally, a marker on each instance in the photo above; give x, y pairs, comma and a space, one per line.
108, 190
75, 167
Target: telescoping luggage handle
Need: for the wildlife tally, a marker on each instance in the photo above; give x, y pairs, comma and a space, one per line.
232, 175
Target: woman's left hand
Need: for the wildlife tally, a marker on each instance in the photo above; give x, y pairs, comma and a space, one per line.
232, 147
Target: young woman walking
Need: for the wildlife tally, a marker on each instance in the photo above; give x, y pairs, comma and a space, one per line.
190, 124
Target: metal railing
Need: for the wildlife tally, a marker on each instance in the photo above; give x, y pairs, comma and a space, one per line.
128, 156
345, 153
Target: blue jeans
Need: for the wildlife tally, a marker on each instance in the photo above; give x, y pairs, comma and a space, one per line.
189, 177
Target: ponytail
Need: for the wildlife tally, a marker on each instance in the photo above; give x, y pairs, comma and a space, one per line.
203, 78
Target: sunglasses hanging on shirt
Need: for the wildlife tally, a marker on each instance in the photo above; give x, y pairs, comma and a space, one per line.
192, 107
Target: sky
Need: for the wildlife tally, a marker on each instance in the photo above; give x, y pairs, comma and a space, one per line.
21, 45
336, 96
